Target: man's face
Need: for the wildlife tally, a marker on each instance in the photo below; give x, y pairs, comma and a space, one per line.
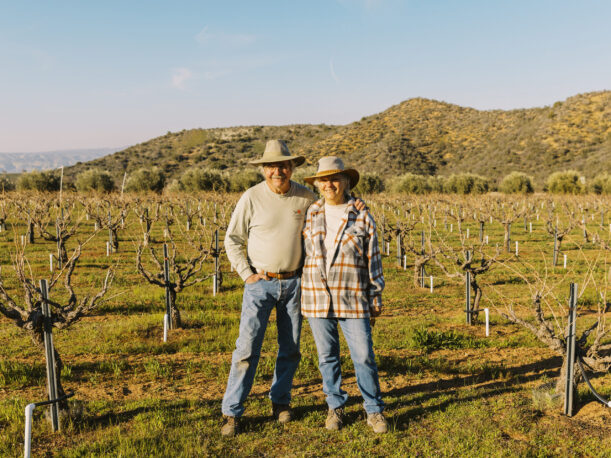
278, 176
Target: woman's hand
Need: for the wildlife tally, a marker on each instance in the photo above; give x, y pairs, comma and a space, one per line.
254, 278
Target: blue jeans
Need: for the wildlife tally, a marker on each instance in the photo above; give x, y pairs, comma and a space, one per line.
357, 333
257, 303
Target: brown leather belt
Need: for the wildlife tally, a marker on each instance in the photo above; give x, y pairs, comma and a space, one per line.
282, 275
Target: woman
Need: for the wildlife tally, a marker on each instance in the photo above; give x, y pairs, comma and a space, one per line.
342, 284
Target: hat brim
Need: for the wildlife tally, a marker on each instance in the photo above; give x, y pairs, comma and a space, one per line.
352, 174
297, 160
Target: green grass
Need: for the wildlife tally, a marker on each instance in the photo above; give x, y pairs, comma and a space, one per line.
449, 389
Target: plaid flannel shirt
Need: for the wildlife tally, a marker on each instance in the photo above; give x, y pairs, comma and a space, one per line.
355, 280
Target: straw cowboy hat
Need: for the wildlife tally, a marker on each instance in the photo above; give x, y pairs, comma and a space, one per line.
332, 165
277, 151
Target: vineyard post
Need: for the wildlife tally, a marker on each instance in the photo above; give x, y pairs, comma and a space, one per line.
188, 216
422, 269
399, 250
166, 279
50, 355
383, 232
59, 252
30, 231
215, 278
110, 231
570, 352
468, 290
555, 246
508, 246
481, 231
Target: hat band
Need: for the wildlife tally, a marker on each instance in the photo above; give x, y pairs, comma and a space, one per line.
328, 172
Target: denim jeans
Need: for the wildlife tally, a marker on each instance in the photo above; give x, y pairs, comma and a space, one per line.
357, 333
257, 303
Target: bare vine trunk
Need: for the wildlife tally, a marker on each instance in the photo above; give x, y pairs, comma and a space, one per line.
174, 312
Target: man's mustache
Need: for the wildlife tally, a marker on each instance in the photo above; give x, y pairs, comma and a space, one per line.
278, 176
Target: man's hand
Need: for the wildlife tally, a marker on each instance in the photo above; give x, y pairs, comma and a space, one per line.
254, 278
359, 204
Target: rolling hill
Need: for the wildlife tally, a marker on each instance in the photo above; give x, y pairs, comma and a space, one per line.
418, 135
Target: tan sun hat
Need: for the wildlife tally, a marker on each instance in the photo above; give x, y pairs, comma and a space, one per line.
332, 165
277, 151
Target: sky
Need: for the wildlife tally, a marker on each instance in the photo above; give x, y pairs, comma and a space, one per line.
84, 74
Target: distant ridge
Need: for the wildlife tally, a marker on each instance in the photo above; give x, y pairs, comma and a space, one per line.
418, 135
18, 162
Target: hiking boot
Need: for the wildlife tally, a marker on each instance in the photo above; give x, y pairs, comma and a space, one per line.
231, 426
282, 413
335, 419
377, 422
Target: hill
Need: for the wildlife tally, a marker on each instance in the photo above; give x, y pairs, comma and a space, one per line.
19, 162
418, 135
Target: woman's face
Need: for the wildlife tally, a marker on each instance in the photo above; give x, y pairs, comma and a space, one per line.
333, 188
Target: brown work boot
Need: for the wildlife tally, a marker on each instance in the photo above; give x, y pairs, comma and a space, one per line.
282, 413
335, 419
377, 422
231, 426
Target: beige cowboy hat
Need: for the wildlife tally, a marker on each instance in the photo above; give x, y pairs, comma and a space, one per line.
277, 151
332, 165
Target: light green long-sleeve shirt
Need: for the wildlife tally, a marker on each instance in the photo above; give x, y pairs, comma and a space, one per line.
269, 226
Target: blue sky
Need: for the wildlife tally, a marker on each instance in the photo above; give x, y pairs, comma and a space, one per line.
80, 74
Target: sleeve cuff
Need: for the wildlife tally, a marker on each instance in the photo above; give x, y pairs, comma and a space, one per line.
245, 273
376, 302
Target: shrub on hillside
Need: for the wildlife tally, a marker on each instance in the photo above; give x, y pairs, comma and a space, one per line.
601, 184
411, 184
566, 182
95, 180
244, 179
200, 179
436, 183
466, 183
517, 183
38, 181
370, 183
145, 179
6, 184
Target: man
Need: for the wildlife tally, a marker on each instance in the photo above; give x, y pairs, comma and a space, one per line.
267, 221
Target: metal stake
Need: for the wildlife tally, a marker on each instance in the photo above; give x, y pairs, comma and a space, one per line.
166, 279
468, 291
50, 355
570, 352
215, 285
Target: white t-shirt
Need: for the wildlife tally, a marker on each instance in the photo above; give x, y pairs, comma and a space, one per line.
334, 215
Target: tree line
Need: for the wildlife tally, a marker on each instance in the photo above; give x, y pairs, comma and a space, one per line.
207, 179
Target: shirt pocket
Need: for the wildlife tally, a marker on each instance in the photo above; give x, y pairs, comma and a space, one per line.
354, 242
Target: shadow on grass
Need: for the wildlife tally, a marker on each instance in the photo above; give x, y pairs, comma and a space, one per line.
114, 418
549, 367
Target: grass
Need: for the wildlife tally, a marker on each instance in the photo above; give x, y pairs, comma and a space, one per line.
449, 389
